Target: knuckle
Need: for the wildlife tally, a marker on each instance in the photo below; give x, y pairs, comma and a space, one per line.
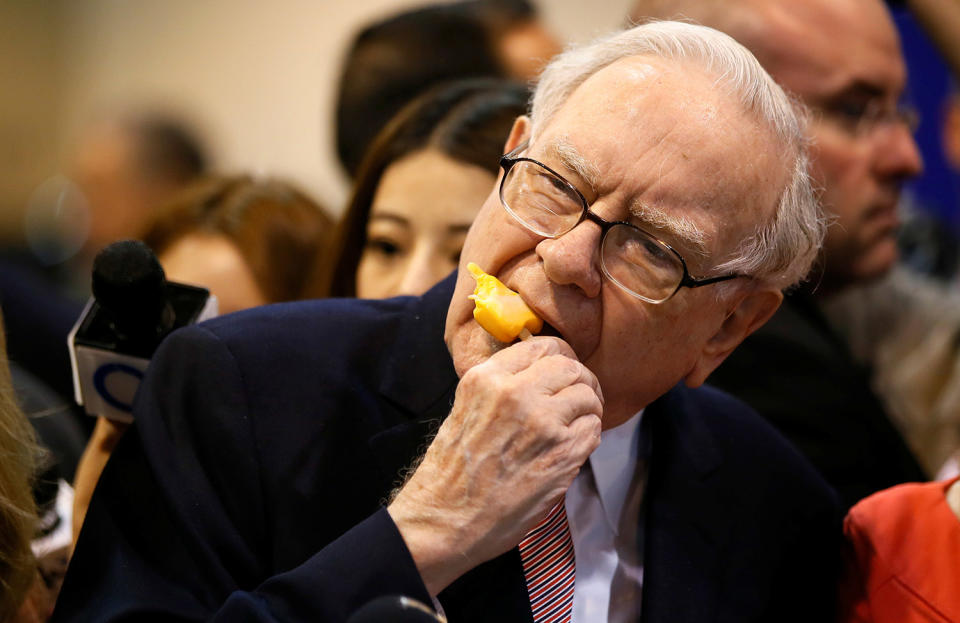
569, 369
596, 404
550, 345
588, 426
480, 376
585, 399
471, 381
545, 348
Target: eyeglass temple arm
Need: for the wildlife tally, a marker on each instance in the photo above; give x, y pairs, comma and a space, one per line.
690, 282
516, 150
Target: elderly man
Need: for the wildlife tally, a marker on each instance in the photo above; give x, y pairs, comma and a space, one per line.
650, 211
843, 58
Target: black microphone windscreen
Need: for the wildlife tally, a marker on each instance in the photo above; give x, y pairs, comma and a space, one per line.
129, 283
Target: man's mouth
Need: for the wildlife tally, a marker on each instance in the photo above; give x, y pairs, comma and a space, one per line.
549, 329
884, 217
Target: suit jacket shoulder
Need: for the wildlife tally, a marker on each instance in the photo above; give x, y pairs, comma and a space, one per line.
250, 486
799, 375
735, 517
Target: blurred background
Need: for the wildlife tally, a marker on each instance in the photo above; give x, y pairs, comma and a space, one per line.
256, 82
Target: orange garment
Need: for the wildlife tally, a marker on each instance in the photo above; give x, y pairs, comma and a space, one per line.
903, 561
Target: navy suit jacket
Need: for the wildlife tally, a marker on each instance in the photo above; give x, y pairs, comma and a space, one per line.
798, 373
251, 487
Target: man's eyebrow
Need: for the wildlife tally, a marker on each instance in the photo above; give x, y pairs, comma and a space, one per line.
564, 151
857, 88
683, 230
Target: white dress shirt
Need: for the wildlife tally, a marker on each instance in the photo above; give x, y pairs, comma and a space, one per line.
603, 508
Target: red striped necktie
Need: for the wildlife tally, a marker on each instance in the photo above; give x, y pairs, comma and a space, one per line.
548, 566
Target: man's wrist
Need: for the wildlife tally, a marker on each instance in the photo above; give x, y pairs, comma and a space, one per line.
428, 536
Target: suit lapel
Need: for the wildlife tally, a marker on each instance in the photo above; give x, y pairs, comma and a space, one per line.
416, 367
418, 381
685, 530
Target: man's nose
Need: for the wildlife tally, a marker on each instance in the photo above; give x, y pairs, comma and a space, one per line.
574, 258
897, 154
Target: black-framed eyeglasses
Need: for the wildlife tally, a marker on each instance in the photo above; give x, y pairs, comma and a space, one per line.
545, 203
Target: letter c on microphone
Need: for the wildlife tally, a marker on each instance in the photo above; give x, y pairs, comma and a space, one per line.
131, 376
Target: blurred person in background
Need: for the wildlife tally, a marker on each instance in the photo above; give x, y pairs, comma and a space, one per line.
392, 61
419, 189
20, 461
521, 41
843, 58
906, 326
903, 556
124, 166
249, 242
127, 167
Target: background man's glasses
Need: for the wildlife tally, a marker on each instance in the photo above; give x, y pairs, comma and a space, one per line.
860, 118
550, 206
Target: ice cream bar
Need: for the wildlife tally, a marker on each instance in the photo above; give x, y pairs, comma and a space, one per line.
500, 310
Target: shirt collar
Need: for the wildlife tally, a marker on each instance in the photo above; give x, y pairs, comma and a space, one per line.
614, 464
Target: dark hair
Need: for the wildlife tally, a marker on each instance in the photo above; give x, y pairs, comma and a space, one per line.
502, 14
279, 231
468, 120
166, 150
393, 61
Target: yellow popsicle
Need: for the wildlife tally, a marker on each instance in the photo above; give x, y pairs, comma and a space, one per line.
500, 310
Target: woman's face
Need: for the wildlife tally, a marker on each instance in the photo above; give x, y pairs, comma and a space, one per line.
212, 261
419, 217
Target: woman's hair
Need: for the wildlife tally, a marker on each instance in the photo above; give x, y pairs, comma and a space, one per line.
394, 60
19, 461
467, 120
279, 231
782, 250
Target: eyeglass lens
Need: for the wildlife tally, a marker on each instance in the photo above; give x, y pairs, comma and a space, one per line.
548, 206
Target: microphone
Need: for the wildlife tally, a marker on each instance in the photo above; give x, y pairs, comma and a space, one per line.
132, 309
395, 609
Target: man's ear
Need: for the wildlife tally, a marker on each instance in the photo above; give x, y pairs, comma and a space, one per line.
518, 133
750, 313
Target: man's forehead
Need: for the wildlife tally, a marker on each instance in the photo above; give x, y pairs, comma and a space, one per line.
634, 100
821, 47
666, 147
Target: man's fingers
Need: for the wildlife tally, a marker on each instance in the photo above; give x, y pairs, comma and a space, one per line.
522, 355
554, 373
575, 401
586, 433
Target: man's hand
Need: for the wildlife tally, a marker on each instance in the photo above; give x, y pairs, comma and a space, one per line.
522, 424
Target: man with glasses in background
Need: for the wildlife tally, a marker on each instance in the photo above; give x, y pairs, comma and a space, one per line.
295, 462
842, 57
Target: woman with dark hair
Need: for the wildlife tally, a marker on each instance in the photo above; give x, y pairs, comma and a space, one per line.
419, 188
394, 60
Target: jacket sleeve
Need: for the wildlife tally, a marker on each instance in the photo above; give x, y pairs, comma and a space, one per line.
177, 527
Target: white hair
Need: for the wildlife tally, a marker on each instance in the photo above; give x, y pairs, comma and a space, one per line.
782, 250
